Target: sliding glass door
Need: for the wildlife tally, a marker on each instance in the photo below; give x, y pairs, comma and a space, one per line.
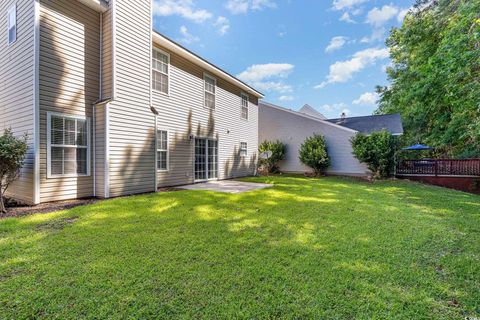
206, 159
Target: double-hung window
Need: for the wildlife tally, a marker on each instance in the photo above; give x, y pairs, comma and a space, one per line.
243, 149
68, 139
244, 106
210, 91
12, 24
162, 150
160, 71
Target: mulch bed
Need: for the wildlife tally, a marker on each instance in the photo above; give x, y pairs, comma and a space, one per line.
15, 209
18, 210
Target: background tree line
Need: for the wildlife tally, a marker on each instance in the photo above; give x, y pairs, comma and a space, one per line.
435, 76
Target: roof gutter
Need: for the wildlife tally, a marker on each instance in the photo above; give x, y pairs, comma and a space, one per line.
214, 70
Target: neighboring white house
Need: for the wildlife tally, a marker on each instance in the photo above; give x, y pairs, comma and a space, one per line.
293, 127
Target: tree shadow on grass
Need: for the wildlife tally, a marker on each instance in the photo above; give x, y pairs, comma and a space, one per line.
305, 248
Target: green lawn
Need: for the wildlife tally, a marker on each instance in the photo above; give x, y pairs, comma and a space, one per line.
307, 248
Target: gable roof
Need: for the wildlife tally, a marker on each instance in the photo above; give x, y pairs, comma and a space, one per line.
303, 115
173, 46
307, 109
369, 124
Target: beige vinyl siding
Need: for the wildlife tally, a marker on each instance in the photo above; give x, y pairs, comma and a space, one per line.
69, 82
293, 129
107, 75
131, 123
100, 145
17, 74
182, 113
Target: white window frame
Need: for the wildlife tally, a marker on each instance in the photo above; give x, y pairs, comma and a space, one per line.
12, 11
243, 149
50, 145
166, 74
162, 150
205, 76
242, 107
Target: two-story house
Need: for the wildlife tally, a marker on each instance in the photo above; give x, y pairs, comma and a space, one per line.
114, 108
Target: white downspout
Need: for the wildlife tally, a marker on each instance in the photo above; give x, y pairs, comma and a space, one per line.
94, 110
36, 104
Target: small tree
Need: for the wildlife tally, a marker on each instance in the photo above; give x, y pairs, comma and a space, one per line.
314, 153
278, 150
12, 155
377, 151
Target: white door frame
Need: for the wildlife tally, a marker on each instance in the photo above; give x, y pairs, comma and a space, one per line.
207, 141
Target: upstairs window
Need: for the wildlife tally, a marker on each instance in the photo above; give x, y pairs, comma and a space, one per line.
210, 90
162, 150
243, 149
68, 139
244, 106
160, 71
12, 24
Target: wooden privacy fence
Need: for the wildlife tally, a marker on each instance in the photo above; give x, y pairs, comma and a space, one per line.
439, 167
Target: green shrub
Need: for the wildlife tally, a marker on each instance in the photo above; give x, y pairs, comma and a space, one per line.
314, 154
377, 151
278, 150
12, 155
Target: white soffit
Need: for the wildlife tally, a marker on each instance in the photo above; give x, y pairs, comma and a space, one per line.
97, 5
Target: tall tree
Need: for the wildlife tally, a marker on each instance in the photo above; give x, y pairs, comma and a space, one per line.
435, 76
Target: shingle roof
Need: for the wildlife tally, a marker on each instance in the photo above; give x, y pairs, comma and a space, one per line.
369, 124
309, 110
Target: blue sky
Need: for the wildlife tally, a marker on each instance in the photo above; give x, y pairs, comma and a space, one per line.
328, 53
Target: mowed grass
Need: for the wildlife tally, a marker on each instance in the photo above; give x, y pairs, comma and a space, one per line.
306, 248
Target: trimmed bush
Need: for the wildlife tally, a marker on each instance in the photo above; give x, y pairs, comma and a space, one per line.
377, 151
314, 154
278, 150
12, 155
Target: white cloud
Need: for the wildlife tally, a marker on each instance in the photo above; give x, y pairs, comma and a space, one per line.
336, 109
286, 98
326, 107
367, 99
260, 4
267, 77
377, 35
237, 6
343, 71
401, 15
336, 43
183, 8
243, 6
259, 72
279, 86
282, 34
357, 11
378, 17
346, 4
346, 18
223, 25
187, 38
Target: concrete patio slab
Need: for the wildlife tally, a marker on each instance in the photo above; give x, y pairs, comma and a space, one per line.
226, 186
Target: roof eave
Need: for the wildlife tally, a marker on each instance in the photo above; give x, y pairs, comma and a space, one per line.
97, 5
209, 67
